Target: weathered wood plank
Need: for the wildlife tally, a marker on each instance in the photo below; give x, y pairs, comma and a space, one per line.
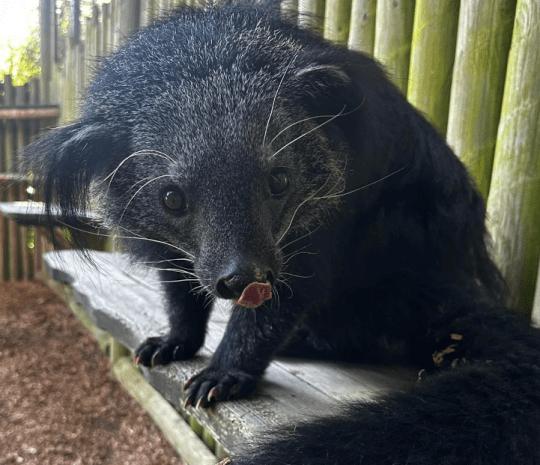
125, 300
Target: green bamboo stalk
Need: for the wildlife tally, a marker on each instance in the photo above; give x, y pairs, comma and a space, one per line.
514, 197
311, 12
289, 6
484, 37
362, 31
337, 20
393, 33
432, 58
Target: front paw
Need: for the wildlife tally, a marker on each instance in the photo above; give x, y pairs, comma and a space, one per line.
216, 384
162, 351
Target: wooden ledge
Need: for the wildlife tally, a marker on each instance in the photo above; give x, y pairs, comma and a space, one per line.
125, 301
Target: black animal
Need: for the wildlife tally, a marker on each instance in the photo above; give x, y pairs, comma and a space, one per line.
243, 156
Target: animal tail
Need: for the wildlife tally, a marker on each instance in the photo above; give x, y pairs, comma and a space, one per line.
483, 408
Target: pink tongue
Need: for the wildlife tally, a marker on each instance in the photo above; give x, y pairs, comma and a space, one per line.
255, 294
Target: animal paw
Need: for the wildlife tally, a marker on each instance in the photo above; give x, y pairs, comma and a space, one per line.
217, 384
162, 351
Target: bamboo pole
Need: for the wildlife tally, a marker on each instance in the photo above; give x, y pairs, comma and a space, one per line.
393, 33
432, 58
311, 13
290, 7
514, 197
484, 37
337, 20
106, 29
362, 31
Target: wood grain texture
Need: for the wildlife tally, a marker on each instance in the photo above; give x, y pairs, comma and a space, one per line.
432, 59
514, 198
483, 43
125, 300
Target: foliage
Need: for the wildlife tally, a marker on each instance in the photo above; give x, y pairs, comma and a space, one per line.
22, 62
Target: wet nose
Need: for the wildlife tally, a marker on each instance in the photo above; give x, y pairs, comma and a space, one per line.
232, 284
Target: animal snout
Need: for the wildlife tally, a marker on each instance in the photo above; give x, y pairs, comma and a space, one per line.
232, 284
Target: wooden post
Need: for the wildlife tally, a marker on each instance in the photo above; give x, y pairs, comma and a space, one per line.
127, 20
145, 13
432, 58
10, 244
47, 44
337, 20
514, 197
393, 33
313, 10
3, 239
362, 31
106, 27
484, 36
290, 8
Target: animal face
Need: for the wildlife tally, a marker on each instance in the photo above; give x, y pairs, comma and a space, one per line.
227, 196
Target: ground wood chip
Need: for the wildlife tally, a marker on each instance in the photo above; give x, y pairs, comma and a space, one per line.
59, 405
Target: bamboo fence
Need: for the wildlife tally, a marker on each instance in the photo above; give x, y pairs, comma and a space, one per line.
471, 66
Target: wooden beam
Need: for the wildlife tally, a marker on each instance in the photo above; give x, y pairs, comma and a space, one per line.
37, 112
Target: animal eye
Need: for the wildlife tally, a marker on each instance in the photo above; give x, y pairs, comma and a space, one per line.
278, 181
174, 200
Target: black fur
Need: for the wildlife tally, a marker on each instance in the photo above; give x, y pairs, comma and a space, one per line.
219, 143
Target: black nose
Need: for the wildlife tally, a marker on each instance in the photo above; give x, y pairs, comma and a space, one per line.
232, 284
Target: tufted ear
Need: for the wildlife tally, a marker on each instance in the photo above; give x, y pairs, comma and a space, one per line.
65, 160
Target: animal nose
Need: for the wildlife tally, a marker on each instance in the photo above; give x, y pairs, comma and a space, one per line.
233, 284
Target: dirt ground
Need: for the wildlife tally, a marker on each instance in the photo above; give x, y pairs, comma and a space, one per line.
58, 404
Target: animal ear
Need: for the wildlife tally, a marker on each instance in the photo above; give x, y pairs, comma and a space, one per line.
329, 91
65, 161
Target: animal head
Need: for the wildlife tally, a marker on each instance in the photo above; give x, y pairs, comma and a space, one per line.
214, 135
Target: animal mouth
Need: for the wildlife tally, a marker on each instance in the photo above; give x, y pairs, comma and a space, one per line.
254, 295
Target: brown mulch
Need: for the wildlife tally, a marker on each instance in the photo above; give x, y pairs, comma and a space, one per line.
58, 403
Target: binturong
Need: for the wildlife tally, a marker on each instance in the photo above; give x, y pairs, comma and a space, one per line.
248, 159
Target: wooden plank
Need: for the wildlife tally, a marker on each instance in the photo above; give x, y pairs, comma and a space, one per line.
183, 439
513, 204
30, 112
126, 301
33, 214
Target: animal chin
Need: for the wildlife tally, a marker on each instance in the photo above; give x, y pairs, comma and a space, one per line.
254, 295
